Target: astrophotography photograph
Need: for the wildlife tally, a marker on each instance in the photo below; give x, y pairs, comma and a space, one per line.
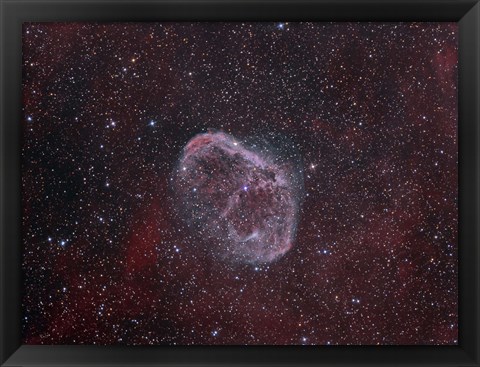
239, 183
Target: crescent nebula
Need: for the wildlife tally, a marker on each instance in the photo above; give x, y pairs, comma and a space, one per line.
243, 201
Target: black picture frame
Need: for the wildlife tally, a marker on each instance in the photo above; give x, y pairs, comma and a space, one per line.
465, 12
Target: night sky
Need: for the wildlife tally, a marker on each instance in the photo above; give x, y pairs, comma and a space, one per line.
240, 183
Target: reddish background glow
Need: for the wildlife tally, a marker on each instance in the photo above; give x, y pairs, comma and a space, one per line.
372, 111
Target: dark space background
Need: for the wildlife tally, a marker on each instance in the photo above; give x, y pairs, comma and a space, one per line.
372, 111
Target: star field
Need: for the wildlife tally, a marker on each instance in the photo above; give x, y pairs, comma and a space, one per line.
367, 113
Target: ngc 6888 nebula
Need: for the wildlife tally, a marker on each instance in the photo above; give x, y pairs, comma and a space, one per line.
245, 201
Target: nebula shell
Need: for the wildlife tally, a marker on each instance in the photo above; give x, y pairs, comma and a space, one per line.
240, 199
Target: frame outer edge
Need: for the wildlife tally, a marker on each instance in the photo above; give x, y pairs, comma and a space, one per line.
475, 110
3, 335
10, 184
475, 54
469, 179
476, 9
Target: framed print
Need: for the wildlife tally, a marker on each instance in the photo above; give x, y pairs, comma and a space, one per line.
236, 182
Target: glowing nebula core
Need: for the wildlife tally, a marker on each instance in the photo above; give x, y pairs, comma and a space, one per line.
245, 201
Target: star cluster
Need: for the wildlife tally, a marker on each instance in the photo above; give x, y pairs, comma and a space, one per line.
371, 109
